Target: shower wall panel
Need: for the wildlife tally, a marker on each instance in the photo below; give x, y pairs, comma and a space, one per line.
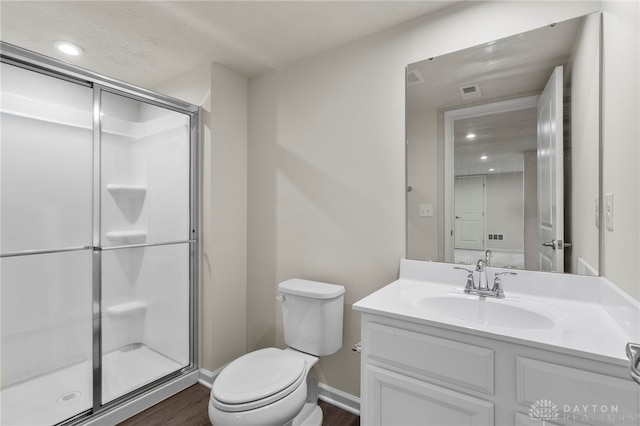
145, 299
46, 314
145, 173
145, 201
45, 162
46, 317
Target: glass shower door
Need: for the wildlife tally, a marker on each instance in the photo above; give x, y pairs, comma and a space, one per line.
45, 248
144, 241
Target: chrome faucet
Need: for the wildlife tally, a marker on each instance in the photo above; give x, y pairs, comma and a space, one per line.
481, 269
482, 289
487, 257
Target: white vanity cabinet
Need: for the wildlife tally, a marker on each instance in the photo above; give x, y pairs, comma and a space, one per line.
402, 383
419, 374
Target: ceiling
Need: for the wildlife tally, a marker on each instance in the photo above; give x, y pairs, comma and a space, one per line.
502, 137
518, 65
147, 42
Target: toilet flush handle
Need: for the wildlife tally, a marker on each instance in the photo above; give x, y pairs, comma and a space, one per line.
281, 298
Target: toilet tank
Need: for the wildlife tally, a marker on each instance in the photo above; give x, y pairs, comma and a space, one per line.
312, 316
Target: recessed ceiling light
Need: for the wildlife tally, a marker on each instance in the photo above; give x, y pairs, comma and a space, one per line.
492, 170
68, 48
471, 135
484, 157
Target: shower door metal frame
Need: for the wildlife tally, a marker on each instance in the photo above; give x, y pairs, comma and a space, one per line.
98, 407
32, 61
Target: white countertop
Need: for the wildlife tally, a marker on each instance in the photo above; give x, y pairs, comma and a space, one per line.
598, 322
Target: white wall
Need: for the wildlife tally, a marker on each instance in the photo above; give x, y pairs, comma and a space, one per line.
621, 109
422, 176
505, 211
223, 289
326, 163
585, 138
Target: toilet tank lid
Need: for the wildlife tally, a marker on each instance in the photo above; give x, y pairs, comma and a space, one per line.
307, 288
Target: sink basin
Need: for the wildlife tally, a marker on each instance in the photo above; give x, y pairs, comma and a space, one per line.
487, 311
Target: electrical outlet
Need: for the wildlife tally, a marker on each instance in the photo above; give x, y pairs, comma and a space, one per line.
608, 212
426, 210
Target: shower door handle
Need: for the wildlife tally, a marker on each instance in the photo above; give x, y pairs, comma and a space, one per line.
633, 353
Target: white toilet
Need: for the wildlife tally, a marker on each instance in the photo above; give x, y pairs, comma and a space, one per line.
276, 387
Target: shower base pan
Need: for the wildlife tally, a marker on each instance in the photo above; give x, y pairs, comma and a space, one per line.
60, 395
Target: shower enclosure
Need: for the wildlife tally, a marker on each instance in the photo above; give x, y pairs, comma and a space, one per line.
98, 242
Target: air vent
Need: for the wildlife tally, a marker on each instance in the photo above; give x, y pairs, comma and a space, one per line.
413, 77
470, 92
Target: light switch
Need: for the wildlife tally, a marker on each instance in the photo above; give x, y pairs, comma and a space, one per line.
426, 210
608, 212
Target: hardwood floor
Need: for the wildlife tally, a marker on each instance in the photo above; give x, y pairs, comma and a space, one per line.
334, 416
189, 408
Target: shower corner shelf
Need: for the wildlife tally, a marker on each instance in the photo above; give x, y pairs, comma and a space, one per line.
127, 237
130, 191
126, 308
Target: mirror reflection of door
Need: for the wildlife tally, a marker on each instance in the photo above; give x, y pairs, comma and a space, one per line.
469, 210
550, 176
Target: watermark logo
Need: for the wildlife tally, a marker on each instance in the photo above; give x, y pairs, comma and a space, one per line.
544, 409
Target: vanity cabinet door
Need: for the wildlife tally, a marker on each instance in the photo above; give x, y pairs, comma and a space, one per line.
395, 399
581, 396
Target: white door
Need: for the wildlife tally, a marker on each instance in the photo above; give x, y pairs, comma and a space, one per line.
550, 176
469, 212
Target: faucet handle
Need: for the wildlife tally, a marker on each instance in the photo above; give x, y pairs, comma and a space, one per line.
497, 283
470, 284
505, 273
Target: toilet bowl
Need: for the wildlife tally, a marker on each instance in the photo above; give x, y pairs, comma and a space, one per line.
279, 387
268, 387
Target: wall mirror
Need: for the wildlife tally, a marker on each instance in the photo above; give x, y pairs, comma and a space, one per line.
503, 143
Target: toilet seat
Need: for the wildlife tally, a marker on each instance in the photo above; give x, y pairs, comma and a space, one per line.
257, 379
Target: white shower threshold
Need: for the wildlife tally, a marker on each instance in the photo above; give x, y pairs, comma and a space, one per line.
60, 395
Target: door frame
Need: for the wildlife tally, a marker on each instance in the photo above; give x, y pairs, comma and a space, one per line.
449, 174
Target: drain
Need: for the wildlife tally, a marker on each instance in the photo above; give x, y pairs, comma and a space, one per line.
66, 397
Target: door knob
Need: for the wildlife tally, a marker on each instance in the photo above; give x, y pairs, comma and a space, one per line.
556, 244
